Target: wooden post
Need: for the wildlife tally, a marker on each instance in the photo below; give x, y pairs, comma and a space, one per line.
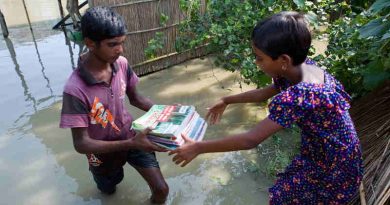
3, 25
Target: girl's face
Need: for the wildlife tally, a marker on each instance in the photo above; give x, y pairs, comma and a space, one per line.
269, 66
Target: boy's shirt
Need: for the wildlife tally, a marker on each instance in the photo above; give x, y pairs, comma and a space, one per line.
100, 108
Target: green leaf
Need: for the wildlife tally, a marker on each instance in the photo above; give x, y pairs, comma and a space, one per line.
373, 80
386, 35
312, 18
374, 75
264, 79
376, 27
299, 3
234, 60
379, 5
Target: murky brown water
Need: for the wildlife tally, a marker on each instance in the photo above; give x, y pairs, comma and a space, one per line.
210, 179
38, 164
15, 13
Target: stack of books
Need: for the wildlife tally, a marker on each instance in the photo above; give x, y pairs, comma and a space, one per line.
169, 122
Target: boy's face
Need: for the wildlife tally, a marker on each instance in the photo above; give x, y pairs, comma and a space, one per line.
269, 66
109, 50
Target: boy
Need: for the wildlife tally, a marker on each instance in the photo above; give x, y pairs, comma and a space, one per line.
94, 108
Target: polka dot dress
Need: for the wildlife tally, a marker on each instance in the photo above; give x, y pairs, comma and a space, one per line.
329, 166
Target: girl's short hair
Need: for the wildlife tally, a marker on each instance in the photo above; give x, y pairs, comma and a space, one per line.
283, 33
99, 23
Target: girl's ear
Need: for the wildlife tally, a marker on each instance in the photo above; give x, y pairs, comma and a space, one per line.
285, 60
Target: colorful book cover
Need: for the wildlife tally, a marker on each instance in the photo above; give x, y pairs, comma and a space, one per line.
169, 122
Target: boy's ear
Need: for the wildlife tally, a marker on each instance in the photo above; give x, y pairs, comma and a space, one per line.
91, 45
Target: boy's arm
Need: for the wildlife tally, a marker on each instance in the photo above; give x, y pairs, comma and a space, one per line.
138, 100
85, 145
252, 96
187, 152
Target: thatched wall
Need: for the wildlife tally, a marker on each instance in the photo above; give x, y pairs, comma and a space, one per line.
143, 21
371, 116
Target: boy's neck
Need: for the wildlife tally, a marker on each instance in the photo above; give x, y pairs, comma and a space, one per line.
93, 62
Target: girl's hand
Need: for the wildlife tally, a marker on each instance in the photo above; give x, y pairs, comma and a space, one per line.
186, 152
215, 112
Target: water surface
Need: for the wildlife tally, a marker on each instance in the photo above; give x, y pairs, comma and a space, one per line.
38, 164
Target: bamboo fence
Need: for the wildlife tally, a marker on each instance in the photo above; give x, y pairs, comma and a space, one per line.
143, 22
371, 116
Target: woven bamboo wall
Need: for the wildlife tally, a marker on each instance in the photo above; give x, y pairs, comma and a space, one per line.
143, 21
371, 116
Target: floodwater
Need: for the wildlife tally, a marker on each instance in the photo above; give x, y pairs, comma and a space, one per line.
38, 164
37, 10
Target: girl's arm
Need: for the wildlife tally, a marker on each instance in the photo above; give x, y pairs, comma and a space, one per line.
215, 112
187, 152
252, 96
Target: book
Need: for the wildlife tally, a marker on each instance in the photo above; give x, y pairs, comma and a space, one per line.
169, 122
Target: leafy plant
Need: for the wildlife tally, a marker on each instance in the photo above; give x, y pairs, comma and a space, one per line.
157, 43
276, 153
358, 51
154, 45
358, 36
227, 26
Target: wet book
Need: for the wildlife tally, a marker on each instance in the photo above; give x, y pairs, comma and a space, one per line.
169, 122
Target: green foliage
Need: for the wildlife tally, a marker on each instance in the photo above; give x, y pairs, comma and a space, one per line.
380, 5
157, 43
359, 35
227, 26
358, 41
163, 19
358, 51
277, 152
154, 45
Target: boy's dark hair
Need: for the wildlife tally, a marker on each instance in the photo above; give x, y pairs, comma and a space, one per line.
99, 23
283, 33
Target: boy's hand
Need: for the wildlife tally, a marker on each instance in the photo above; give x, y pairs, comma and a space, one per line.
185, 153
215, 112
143, 143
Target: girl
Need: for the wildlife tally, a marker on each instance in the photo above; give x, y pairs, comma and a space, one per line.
328, 169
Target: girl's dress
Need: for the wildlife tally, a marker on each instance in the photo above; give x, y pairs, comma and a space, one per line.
329, 166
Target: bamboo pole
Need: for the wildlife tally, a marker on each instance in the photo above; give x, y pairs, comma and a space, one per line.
167, 55
4, 27
132, 3
362, 194
153, 29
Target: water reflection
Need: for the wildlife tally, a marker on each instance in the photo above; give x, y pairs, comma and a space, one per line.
26, 92
68, 43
